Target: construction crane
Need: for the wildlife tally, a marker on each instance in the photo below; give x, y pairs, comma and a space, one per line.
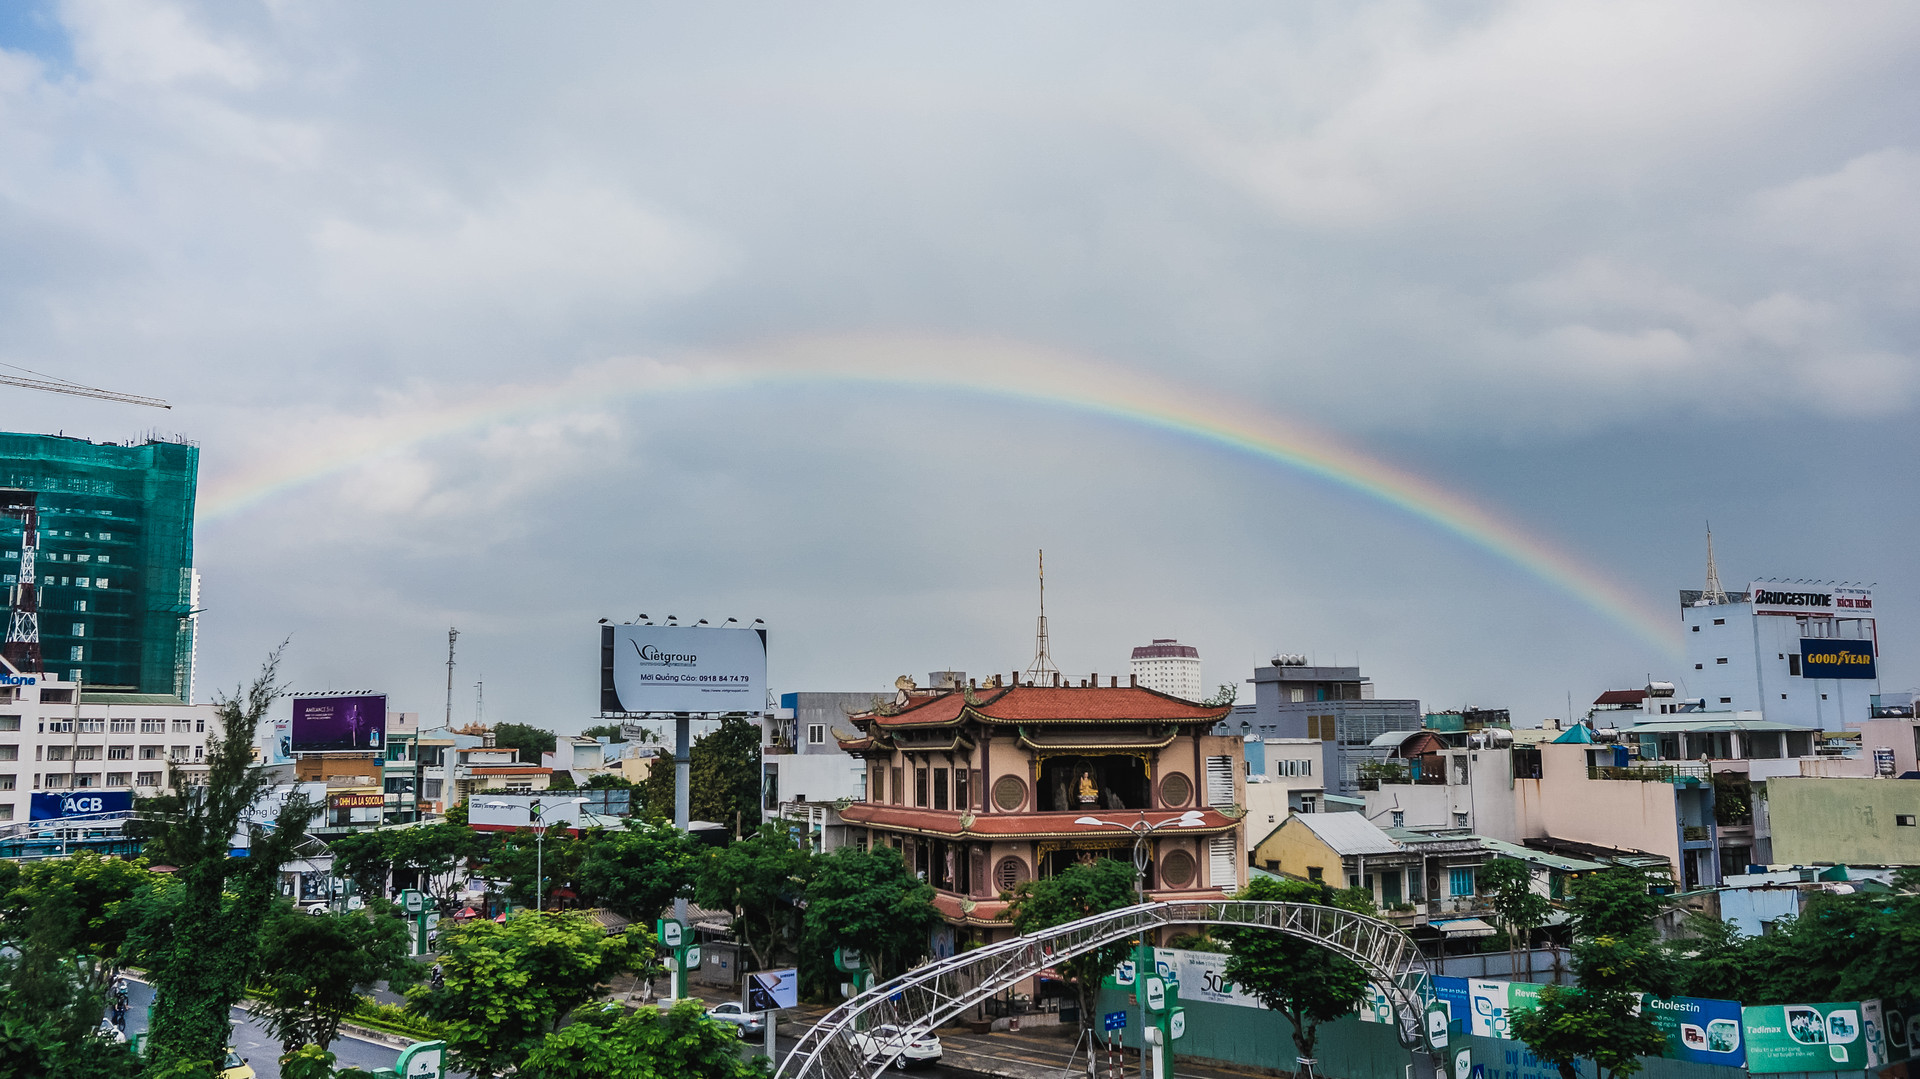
61, 385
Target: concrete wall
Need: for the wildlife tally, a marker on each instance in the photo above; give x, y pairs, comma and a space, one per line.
1294, 850
1487, 798
1849, 821
1624, 813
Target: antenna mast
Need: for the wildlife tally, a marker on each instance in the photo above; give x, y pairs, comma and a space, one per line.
453, 634
23, 624
1713, 594
1042, 672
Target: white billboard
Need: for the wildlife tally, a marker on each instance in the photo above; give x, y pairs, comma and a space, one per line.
1811, 598
682, 669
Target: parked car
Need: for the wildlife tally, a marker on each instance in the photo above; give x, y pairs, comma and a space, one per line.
898, 1046
235, 1066
738, 1017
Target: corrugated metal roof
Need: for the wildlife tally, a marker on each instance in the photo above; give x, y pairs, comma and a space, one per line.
1348, 833
1540, 857
1709, 726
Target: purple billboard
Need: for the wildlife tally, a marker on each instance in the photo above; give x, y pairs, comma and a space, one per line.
339, 723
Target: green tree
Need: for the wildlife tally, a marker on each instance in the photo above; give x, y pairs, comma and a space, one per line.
528, 741
1617, 956
201, 969
760, 879
509, 984
637, 870
436, 852
1301, 980
74, 912
561, 781
366, 859
1080, 890
313, 967
1508, 885
612, 732
723, 777
603, 1042
871, 901
35, 1052
608, 781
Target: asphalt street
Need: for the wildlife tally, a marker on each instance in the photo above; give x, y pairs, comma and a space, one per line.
261, 1049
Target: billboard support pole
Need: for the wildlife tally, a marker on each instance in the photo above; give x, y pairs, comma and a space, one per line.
682, 796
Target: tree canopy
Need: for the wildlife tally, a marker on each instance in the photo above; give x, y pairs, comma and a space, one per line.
761, 879
871, 901
1617, 956
1081, 889
528, 741
604, 1042
1301, 980
312, 967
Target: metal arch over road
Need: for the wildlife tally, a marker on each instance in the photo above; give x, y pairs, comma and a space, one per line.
929, 996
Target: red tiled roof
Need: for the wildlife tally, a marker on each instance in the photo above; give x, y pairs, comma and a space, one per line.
1124, 703
1621, 696
1007, 825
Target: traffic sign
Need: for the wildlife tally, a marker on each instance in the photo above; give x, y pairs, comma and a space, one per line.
1116, 1020
1156, 995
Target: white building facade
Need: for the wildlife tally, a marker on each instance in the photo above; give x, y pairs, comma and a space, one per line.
131, 743
1167, 666
1799, 652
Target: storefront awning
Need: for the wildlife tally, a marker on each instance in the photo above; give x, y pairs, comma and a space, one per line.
1464, 927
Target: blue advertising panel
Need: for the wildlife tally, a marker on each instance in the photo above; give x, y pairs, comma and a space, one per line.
1699, 1030
78, 804
1453, 993
1826, 657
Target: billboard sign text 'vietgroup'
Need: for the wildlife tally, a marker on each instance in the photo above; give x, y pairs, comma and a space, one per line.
682, 669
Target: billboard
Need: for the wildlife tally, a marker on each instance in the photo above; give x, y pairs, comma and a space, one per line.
1699, 1030
1811, 598
322, 724
78, 804
1828, 657
682, 669
1812, 1037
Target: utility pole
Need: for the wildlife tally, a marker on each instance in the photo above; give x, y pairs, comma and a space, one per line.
453, 634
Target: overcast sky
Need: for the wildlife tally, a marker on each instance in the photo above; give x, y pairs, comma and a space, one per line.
1604, 271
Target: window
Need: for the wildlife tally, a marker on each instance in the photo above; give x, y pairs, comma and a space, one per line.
6, 783
940, 788
1722, 660
200, 726
9, 723
1793, 664
1306, 806
1460, 881
119, 753
1315, 872
431, 789
148, 779
899, 791
76, 653
1726, 700
1699, 667
58, 753
1696, 629
86, 753
1399, 819
1903, 820
960, 790
920, 787
816, 734
182, 726
79, 629
153, 726
119, 779
179, 753
9, 753
58, 782
877, 792
1219, 781
152, 753
1719, 621
1459, 820
92, 726
6, 811
1297, 694
120, 726
1221, 852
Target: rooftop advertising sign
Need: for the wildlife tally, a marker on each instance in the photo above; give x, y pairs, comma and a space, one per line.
682, 669
1811, 598
322, 724
1829, 657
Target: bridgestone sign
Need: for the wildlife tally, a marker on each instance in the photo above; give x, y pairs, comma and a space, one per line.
682, 669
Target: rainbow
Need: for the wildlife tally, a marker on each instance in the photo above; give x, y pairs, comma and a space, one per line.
989, 368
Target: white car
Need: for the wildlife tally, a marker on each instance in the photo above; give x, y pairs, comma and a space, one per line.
897, 1046
740, 1018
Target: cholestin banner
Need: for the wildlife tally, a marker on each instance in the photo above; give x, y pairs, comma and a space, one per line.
1846, 1036
1698, 1029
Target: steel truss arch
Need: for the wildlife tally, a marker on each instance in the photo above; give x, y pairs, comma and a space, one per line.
931, 995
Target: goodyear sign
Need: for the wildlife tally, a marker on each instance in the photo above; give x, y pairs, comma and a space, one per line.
1825, 657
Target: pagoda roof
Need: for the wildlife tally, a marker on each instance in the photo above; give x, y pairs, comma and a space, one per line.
1047, 704
978, 826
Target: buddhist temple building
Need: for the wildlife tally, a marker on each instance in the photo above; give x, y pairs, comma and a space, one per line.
983, 787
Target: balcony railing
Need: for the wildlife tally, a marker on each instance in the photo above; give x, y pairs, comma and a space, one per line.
1650, 772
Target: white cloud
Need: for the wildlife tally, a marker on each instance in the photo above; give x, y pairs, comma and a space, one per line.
151, 43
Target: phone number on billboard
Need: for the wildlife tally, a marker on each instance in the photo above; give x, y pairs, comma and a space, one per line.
727, 679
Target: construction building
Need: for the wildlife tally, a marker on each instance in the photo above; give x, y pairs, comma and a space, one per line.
96, 553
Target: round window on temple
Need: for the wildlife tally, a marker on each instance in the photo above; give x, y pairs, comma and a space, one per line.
1009, 793
1176, 789
1176, 869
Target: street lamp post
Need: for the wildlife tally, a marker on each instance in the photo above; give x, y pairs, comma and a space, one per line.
1192, 818
537, 814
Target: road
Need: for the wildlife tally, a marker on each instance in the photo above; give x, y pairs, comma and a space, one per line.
261, 1049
